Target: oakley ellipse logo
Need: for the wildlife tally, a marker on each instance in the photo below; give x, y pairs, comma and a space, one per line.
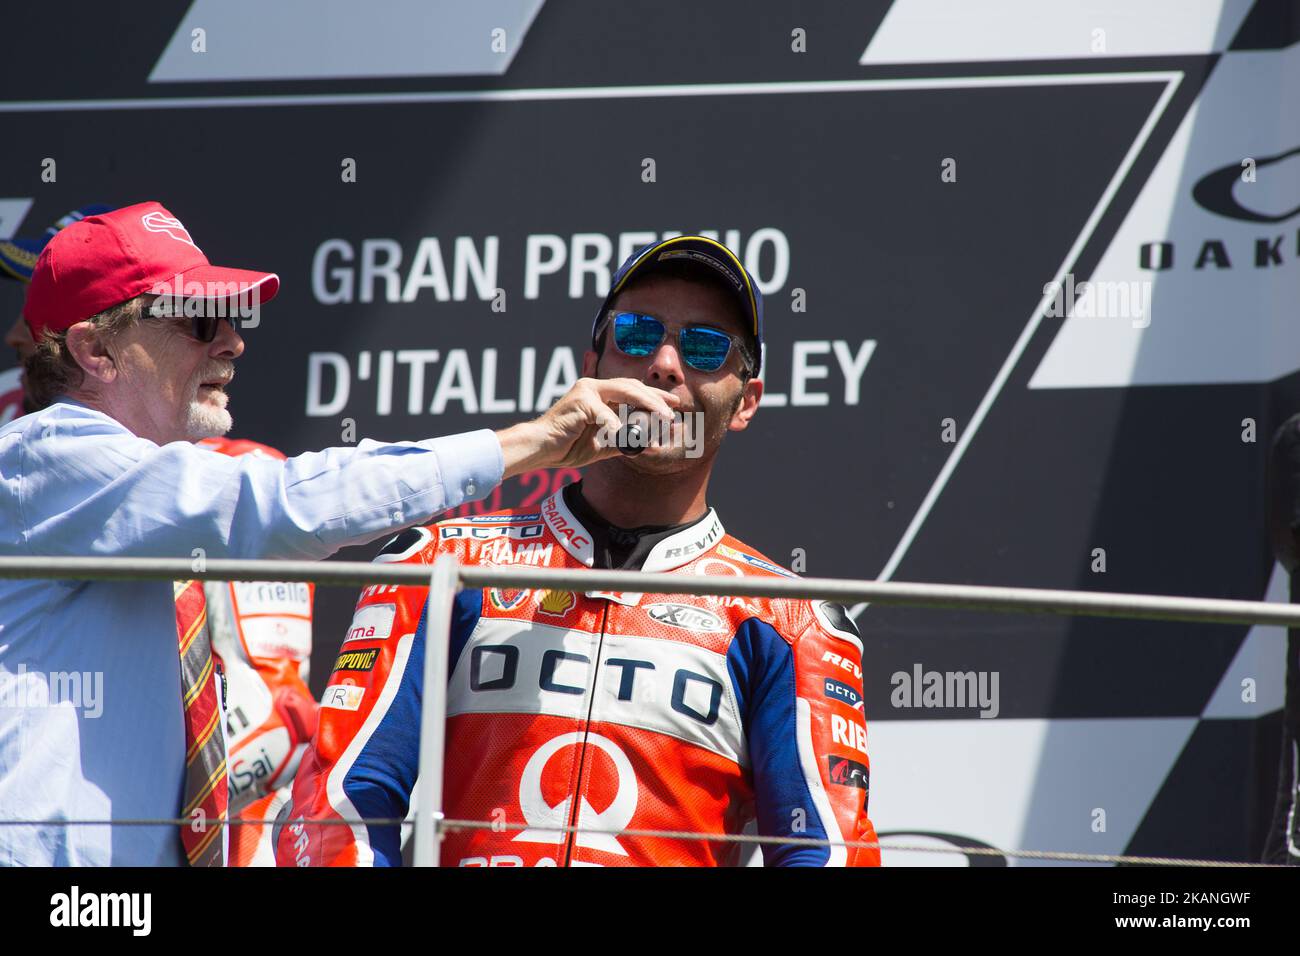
541, 816
168, 226
1216, 191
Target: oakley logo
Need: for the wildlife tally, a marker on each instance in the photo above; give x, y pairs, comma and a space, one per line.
1215, 191
167, 225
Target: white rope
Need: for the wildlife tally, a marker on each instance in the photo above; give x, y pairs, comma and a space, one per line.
739, 838
863, 844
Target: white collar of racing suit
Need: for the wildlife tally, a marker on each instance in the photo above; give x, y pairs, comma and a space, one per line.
669, 554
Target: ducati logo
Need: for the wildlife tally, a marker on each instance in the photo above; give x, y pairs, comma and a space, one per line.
540, 815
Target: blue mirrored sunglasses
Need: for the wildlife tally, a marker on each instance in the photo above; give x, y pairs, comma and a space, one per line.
701, 347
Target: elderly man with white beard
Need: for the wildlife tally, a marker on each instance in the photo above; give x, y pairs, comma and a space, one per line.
135, 348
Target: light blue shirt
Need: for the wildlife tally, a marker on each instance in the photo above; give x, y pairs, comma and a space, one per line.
91, 726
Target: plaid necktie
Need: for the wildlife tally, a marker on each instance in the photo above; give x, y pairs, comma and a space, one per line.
206, 788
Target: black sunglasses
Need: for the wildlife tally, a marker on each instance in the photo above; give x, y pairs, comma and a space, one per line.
202, 327
702, 347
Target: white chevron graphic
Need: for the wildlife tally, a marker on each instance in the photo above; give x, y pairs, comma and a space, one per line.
337, 39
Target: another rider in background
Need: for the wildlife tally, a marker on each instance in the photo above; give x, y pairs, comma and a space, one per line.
17, 260
261, 630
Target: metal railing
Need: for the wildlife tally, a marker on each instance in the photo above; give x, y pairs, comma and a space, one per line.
901, 594
445, 577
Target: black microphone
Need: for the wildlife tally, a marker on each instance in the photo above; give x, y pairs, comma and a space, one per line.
631, 439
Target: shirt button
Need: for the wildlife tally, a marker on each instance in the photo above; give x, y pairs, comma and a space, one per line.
397, 516
470, 489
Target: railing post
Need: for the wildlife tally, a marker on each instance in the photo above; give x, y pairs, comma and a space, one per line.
443, 585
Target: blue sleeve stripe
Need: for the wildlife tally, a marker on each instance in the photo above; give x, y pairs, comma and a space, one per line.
761, 665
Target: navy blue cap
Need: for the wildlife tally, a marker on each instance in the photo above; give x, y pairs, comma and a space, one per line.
18, 256
704, 251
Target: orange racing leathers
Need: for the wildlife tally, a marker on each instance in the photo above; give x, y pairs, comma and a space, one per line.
605, 711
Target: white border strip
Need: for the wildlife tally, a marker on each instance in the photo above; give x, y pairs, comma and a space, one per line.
584, 93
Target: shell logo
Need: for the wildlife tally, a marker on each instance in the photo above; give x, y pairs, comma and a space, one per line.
557, 602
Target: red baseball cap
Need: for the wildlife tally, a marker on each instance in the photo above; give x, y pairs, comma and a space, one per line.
104, 260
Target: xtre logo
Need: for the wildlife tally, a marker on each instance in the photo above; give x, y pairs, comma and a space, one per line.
686, 618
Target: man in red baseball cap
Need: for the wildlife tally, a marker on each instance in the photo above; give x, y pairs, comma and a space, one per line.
103, 267
135, 346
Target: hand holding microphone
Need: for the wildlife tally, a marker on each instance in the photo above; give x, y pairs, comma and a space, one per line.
568, 435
